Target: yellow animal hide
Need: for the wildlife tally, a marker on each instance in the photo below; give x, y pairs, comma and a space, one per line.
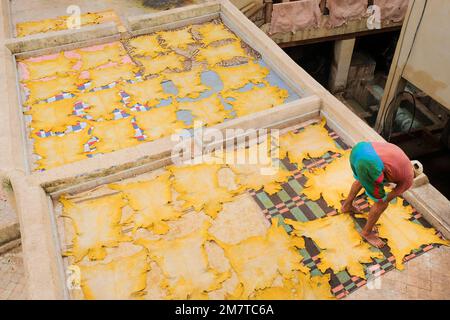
90, 18
259, 260
185, 264
255, 100
97, 225
299, 287
113, 52
188, 83
211, 32
236, 77
403, 235
54, 116
104, 76
151, 202
341, 245
60, 23
230, 287
33, 27
177, 38
147, 45
312, 142
317, 288
209, 110
239, 220
289, 291
114, 135
170, 61
213, 55
46, 68
156, 283
102, 103
147, 92
205, 194
121, 279
40, 90
255, 169
58, 150
332, 182
159, 122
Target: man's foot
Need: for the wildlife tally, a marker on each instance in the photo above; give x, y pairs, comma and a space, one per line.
349, 207
373, 239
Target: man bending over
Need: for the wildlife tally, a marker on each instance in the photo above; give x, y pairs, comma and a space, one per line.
375, 164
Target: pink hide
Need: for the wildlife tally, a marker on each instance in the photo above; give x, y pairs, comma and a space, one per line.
343, 10
392, 10
295, 16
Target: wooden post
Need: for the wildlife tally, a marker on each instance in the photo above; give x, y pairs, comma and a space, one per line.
269, 8
395, 81
343, 52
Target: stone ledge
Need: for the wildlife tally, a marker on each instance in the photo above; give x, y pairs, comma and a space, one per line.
57, 38
10, 245
9, 233
9, 223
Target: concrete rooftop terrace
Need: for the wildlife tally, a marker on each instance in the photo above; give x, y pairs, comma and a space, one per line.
37, 188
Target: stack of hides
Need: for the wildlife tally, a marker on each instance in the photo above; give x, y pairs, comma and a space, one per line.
295, 16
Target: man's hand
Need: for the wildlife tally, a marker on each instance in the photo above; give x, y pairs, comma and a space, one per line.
392, 195
348, 206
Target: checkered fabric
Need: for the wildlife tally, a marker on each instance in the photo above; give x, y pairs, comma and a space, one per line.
80, 110
291, 203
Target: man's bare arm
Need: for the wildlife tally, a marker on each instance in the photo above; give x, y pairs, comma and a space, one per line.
396, 192
347, 206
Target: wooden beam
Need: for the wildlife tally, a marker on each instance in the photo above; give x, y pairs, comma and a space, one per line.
344, 36
395, 82
352, 29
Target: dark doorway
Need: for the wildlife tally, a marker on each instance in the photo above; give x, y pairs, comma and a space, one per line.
314, 58
380, 47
